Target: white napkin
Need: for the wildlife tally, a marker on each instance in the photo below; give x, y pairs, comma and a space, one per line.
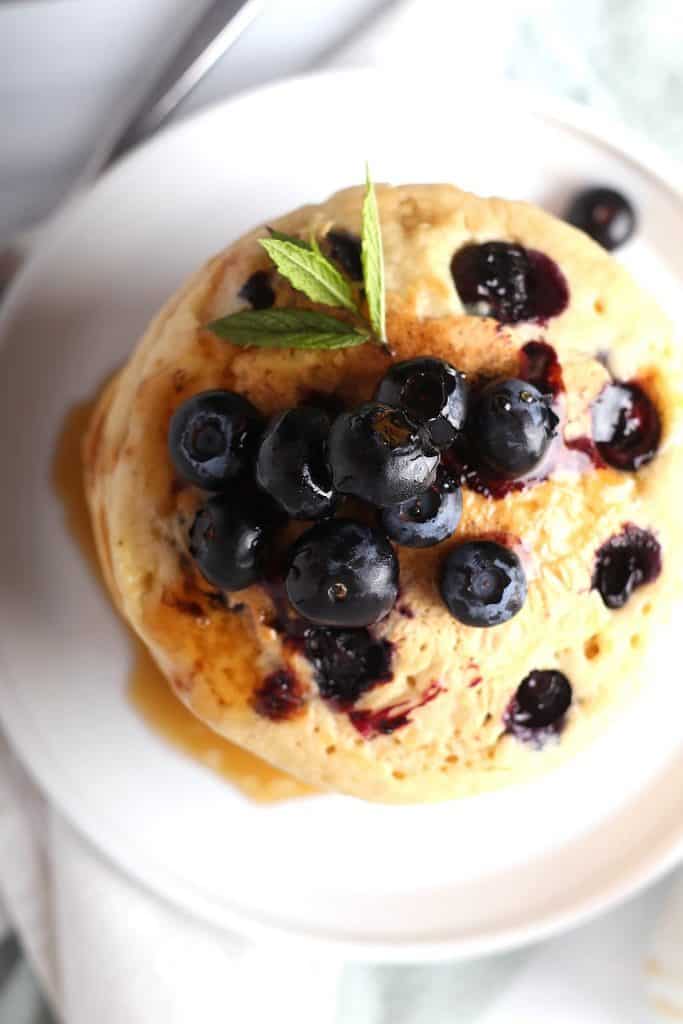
664, 964
107, 951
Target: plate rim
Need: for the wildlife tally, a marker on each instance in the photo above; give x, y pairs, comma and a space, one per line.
647, 158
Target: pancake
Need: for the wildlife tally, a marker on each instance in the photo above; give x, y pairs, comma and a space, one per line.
441, 722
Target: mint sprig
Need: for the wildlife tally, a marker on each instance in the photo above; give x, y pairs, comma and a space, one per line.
280, 236
309, 271
288, 328
372, 257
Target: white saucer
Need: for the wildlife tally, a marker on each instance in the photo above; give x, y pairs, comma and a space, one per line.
367, 881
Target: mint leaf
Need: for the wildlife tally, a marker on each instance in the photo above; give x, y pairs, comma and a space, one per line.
309, 272
287, 328
280, 236
373, 261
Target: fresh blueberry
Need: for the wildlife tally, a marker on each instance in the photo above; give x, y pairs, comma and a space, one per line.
292, 463
624, 563
345, 249
342, 573
511, 427
427, 519
604, 214
483, 583
380, 456
347, 662
230, 539
431, 393
212, 438
626, 426
542, 699
508, 282
258, 291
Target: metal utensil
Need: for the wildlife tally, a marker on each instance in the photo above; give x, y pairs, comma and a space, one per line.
217, 30
213, 34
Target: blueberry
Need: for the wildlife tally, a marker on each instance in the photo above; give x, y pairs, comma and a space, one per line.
345, 249
230, 539
626, 426
431, 393
508, 282
542, 699
342, 573
212, 438
493, 278
347, 662
376, 454
604, 214
511, 427
427, 519
258, 291
292, 463
625, 562
483, 583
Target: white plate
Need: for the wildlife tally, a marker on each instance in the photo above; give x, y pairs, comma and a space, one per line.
376, 882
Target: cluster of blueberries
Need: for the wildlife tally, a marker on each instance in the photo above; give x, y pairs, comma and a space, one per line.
386, 454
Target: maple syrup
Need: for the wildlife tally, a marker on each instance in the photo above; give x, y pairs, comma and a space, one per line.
148, 691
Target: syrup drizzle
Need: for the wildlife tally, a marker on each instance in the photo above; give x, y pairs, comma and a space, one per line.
148, 690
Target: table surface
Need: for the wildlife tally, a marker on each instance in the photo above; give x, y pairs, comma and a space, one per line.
621, 55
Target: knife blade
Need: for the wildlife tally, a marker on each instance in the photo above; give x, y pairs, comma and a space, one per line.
217, 29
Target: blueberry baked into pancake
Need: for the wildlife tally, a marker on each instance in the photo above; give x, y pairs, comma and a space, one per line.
395, 510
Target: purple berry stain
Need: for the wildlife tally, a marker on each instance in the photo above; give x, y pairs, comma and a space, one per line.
347, 663
540, 366
374, 722
279, 697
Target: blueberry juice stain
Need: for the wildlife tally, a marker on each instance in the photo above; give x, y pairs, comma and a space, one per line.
539, 365
549, 291
346, 663
279, 697
373, 722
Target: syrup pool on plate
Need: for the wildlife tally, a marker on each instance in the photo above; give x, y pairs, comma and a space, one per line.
148, 691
